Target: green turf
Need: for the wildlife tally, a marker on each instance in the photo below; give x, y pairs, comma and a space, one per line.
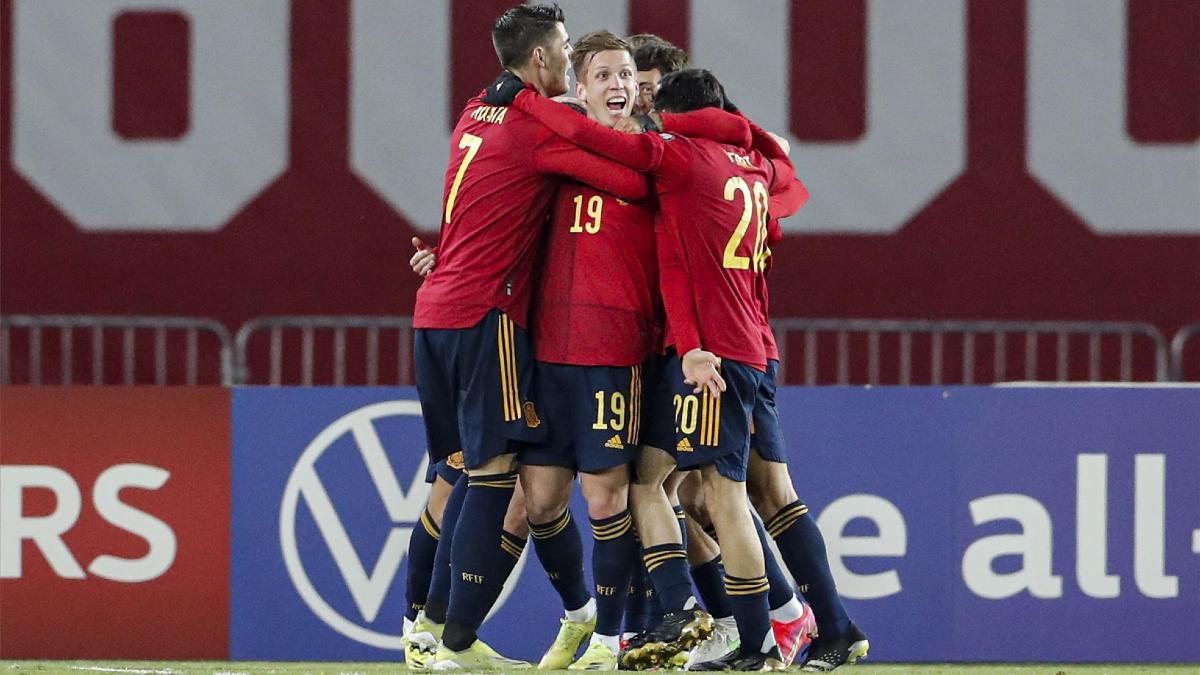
263, 668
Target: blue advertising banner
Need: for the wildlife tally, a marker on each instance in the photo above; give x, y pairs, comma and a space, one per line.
963, 523
1008, 524
327, 487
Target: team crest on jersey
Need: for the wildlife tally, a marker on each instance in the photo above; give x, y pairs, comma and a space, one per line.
531, 417
456, 461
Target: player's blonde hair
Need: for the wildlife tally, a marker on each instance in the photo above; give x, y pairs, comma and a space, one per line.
591, 44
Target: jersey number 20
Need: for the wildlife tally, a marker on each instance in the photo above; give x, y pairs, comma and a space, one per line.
754, 208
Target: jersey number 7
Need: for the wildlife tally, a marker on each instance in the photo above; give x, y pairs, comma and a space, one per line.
472, 143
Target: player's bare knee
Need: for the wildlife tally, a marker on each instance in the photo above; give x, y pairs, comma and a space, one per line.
607, 504
769, 486
722, 494
691, 492
607, 493
543, 508
516, 519
770, 498
654, 466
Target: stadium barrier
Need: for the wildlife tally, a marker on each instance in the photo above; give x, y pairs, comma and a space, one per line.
185, 522
880, 351
377, 350
376, 343
84, 341
1188, 335
1078, 351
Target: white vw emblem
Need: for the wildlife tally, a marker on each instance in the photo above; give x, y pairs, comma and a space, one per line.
368, 589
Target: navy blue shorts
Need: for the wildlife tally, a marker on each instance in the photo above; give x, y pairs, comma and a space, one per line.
476, 387
766, 435
593, 415
658, 412
450, 469
714, 430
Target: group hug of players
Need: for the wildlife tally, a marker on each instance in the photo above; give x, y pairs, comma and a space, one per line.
597, 306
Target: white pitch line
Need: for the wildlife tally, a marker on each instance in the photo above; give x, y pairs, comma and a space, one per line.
106, 669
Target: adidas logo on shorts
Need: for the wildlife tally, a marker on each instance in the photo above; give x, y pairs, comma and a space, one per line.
684, 445
615, 443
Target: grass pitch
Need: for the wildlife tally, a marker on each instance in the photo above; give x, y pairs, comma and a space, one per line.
314, 668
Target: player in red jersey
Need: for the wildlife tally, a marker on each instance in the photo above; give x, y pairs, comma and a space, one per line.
594, 324
654, 58
769, 482
792, 622
473, 355
596, 320
714, 194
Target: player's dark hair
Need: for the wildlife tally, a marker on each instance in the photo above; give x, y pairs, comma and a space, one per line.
658, 53
688, 90
520, 29
591, 44
640, 39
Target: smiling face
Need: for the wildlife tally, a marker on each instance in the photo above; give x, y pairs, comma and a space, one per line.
647, 82
608, 86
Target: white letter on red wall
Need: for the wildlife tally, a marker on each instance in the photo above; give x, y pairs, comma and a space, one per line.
1078, 146
63, 139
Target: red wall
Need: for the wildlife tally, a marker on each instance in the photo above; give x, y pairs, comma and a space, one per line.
994, 244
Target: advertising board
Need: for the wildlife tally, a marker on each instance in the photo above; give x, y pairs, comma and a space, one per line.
114, 522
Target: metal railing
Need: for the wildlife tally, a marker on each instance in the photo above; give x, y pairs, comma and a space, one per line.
377, 350
1185, 336
112, 343
379, 346
873, 351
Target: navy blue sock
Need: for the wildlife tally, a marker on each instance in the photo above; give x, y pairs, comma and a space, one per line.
637, 605
560, 549
709, 578
422, 547
681, 518
749, 600
514, 546
614, 554
438, 597
668, 569
478, 562
655, 609
803, 549
781, 591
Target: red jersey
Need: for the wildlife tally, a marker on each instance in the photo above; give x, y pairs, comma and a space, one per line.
711, 227
785, 201
497, 195
595, 304
712, 241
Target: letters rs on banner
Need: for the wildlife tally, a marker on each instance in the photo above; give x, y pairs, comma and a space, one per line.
114, 522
